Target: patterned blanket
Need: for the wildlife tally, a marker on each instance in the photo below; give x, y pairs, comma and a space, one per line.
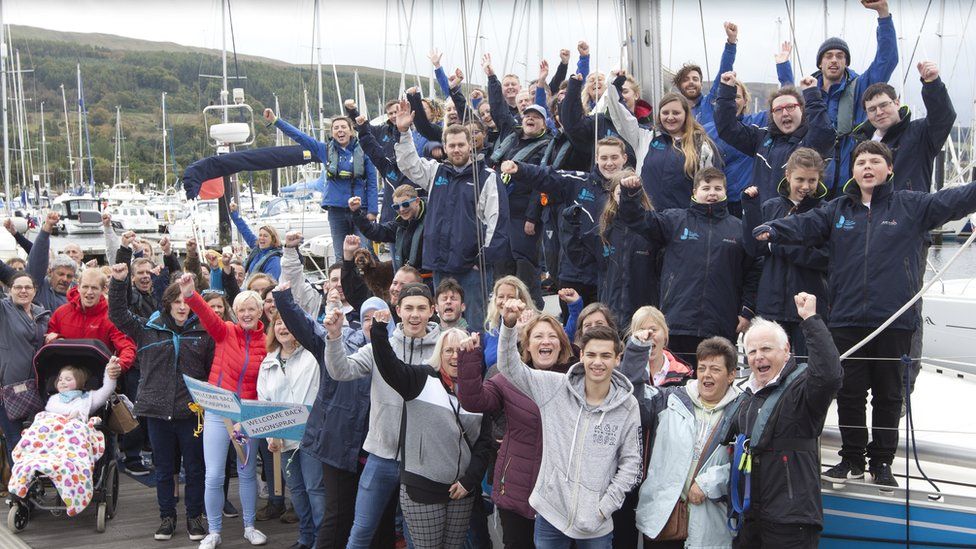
65, 451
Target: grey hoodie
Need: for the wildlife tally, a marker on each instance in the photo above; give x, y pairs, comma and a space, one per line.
385, 404
591, 455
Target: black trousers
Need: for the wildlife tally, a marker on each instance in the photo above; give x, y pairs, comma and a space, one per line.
625, 533
880, 371
758, 534
685, 347
340, 506
518, 532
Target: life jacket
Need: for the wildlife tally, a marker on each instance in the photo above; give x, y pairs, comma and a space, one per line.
759, 439
257, 267
505, 147
332, 162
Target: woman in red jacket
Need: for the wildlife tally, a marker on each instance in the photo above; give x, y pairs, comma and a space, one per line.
237, 359
545, 346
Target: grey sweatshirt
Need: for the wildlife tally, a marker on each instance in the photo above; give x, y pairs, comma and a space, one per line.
385, 404
591, 454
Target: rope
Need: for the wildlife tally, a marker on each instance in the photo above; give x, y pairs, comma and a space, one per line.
701, 19
913, 300
595, 57
915, 48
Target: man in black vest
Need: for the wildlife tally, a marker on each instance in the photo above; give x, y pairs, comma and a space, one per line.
780, 415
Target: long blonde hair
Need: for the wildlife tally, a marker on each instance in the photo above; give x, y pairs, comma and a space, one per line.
611, 207
693, 137
493, 317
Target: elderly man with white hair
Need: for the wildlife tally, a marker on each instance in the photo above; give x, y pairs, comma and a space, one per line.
775, 478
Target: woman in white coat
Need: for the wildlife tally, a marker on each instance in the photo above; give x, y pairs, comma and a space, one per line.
684, 426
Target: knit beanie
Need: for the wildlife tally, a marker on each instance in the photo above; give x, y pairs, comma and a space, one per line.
833, 43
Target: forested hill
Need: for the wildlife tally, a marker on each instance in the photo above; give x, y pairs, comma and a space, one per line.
132, 74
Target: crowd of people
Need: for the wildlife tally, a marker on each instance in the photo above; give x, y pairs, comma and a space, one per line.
446, 393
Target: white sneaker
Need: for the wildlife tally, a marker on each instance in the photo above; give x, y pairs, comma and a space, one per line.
210, 542
254, 536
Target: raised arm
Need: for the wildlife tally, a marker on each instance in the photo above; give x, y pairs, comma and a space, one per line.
125, 348
500, 113
886, 54
825, 371
743, 137
651, 225
306, 141
820, 131
373, 230
728, 55
810, 228
40, 255
558, 184
935, 209
752, 217
372, 149
940, 115
101, 395
475, 393
419, 170
213, 324
423, 125
576, 124
539, 385
111, 239
626, 124
406, 379
343, 367
246, 233
118, 303
560, 74
308, 299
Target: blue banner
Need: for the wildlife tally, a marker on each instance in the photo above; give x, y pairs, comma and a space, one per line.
263, 419
214, 399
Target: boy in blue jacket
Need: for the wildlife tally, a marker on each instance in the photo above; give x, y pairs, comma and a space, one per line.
874, 234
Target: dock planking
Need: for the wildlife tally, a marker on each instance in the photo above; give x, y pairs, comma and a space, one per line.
135, 522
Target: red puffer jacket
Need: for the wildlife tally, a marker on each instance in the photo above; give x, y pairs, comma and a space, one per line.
72, 321
238, 354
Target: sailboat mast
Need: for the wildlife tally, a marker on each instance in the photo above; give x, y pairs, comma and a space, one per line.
6, 136
44, 173
19, 116
81, 134
117, 161
318, 43
165, 141
430, 80
67, 133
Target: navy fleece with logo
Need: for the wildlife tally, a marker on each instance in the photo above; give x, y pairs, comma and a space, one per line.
707, 279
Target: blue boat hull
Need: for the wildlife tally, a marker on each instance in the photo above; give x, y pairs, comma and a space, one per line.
869, 522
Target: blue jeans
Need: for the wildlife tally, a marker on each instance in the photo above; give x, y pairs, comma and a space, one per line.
166, 436
474, 299
340, 225
267, 469
11, 432
215, 444
548, 537
379, 481
304, 479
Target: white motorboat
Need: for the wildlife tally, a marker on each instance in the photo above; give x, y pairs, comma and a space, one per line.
124, 193
289, 214
198, 219
80, 214
133, 216
950, 328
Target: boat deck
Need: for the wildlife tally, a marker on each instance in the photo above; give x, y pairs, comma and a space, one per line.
133, 526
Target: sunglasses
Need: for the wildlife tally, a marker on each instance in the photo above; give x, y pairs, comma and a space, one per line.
399, 206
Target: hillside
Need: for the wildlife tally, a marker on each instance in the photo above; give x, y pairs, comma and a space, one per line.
132, 74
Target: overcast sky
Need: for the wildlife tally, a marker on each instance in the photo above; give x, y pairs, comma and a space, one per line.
354, 32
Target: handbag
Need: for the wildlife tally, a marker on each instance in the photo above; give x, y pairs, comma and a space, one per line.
120, 420
676, 528
21, 400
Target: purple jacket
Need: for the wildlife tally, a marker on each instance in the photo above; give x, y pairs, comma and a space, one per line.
520, 455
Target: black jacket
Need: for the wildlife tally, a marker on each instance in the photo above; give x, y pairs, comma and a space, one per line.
165, 352
786, 461
407, 236
914, 144
875, 252
627, 275
579, 126
707, 278
770, 147
787, 269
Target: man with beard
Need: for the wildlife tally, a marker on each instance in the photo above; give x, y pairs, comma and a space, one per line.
449, 304
52, 282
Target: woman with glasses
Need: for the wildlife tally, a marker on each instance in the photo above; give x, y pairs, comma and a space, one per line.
405, 231
798, 120
22, 328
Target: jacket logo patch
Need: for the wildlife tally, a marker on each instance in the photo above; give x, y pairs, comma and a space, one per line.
730, 241
441, 180
608, 250
689, 235
306, 155
386, 138
844, 223
391, 174
605, 435
892, 222
586, 194
658, 145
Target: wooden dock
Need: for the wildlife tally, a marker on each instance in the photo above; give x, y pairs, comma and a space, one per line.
133, 527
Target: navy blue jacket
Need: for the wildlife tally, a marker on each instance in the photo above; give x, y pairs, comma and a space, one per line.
339, 419
880, 70
452, 231
787, 270
707, 279
626, 262
914, 144
660, 162
588, 191
874, 252
769, 146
